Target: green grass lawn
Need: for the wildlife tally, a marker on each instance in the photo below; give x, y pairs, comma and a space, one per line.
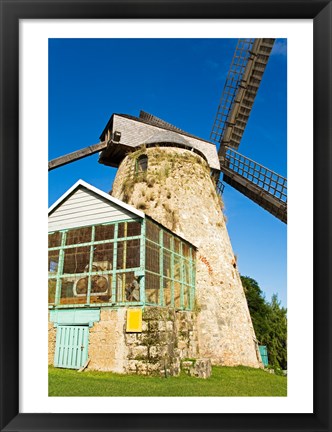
224, 381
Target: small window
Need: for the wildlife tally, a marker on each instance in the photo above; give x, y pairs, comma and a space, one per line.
142, 164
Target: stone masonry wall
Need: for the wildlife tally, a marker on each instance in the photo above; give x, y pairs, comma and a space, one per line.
178, 192
167, 337
51, 342
107, 347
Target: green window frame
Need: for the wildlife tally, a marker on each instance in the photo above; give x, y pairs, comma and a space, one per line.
98, 269
174, 267
131, 262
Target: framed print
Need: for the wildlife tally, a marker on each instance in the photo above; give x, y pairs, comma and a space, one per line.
134, 286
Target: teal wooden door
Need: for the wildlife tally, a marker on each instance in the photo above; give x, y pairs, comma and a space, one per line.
264, 356
71, 347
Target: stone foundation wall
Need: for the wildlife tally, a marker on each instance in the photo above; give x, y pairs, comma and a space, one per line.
107, 347
51, 342
167, 337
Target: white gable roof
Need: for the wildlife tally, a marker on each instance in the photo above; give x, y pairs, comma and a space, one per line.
84, 204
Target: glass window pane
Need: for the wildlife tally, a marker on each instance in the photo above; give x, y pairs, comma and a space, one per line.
133, 253
122, 229
120, 287
186, 272
185, 250
127, 287
177, 267
133, 229
176, 245
79, 235
120, 259
99, 285
73, 290
177, 290
76, 260
166, 263
104, 232
167, 284
152, 288
152, 257
186, 298
128, 254
51, 290
132, 289
101, 289
53, 262
103, 257
152, 231
54, 240
129, 229
167, 240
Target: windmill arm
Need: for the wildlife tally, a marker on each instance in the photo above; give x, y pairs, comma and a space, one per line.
242, 83
263, 186
76, 155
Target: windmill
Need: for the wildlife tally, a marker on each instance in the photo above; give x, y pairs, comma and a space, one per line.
260, 184
147, 149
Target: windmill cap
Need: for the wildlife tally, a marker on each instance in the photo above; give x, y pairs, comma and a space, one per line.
167, 137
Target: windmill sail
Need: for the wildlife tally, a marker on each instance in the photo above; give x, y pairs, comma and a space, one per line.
242, 83
76, 155
261, 185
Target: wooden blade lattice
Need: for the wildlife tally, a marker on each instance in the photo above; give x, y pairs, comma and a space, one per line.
261, 185
231, 87
242, 83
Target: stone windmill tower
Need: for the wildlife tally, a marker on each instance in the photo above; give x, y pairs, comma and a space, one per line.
173, 177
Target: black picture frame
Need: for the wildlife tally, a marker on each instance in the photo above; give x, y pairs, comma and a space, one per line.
11, 12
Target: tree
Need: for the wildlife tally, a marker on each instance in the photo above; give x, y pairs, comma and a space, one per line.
278, 333
269, 321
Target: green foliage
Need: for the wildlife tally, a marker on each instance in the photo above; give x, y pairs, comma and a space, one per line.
269, 321
224, 381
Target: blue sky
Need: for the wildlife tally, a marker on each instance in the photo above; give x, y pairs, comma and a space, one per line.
179, 80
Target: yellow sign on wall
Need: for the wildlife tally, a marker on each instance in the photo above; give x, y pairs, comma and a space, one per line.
134, 321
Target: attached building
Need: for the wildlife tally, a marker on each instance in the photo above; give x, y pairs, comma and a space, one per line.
107, 263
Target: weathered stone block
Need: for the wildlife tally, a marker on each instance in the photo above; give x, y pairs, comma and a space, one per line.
187, 364
182, 344
155, 367
161, 325
160, 351
138, 352
131, 338
200, 368
150, 339
169, 326
132, 365
142, 367
153, 326
155, 313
